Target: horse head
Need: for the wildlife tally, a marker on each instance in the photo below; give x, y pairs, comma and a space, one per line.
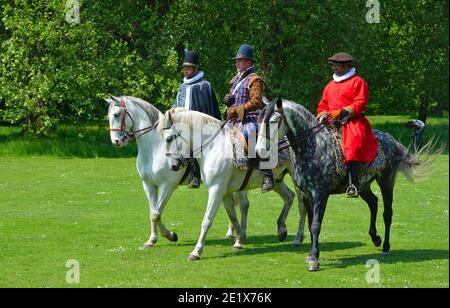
273, 127
121, 123
174, 135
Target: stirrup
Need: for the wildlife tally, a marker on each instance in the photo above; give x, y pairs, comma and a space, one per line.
194, 184
352, 192
269, 186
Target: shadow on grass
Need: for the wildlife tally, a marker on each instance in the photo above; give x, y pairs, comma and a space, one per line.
266, 244
395, 256
269, 243
66, 142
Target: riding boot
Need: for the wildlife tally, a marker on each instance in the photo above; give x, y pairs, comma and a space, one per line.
267, 180
195, 174
352, 190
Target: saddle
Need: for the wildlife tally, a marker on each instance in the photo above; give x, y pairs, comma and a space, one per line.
374, 167
240, 151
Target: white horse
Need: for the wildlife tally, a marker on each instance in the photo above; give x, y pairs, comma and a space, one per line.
218, 172
132, 118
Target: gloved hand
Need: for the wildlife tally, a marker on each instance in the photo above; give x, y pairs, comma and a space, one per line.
333, 115
229, 100
230, 113
322, 117
236, 112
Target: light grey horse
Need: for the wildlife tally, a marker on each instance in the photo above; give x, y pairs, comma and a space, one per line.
132, 118
218, 172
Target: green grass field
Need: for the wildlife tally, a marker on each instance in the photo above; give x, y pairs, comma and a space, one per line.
57, 207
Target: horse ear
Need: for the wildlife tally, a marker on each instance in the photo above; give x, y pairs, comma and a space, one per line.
279, 103
168, 120
108, 101
116, 99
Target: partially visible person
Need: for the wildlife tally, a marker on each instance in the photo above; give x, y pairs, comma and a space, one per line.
417, 129
196, 93
346, 96
245, 101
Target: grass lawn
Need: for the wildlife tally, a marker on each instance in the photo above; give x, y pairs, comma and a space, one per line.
94, 211
71, 195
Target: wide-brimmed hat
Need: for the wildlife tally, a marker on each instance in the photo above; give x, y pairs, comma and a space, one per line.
244, 52
191, 59
340, 58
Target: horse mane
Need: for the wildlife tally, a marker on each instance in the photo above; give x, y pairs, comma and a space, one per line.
189, 118
299, 109
152, 112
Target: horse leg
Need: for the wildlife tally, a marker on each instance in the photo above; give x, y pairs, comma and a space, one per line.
215, 197
320, 204
372, 202
301, 224
386, 184
244, 204
150, 192
164, 194
230, 230
288, 197
229, 207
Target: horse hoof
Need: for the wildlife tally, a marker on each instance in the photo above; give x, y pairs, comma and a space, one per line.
296, 243
229, 236
237, 247
282, 236
174, 237
377, 242
385, 253
308, 259
149, 244
193, 258
313, 265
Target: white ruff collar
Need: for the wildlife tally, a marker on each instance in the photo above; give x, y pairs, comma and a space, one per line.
346, 76
195, 78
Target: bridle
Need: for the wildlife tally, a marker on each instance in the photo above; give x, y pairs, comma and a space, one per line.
294, 139
194, 152
130, 134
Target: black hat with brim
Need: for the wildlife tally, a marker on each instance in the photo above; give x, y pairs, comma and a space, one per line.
191, 59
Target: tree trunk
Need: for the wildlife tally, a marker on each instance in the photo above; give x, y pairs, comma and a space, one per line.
423, 108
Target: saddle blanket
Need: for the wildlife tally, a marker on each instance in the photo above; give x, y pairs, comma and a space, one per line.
241, 160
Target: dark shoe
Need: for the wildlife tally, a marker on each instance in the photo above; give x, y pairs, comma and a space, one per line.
194, 184
267, 184
352, 192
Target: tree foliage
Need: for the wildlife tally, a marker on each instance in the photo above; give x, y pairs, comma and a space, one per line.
52, 70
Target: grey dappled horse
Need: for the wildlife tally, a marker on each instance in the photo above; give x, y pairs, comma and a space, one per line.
315, 168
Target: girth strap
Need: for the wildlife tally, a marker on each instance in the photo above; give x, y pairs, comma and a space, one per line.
247, 178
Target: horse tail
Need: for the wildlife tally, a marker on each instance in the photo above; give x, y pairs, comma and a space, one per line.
417, 165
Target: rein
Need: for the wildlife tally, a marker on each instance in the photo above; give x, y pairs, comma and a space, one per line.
297, 139
131, 134
199, 149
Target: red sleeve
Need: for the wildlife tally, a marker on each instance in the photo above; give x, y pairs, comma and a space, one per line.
361, 96
323, 104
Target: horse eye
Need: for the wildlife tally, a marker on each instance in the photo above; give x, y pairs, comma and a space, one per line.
169, 139
116, 115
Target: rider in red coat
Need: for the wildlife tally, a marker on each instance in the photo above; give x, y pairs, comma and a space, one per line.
346, 96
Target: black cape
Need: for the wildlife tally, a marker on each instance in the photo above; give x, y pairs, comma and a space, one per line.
203, 99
